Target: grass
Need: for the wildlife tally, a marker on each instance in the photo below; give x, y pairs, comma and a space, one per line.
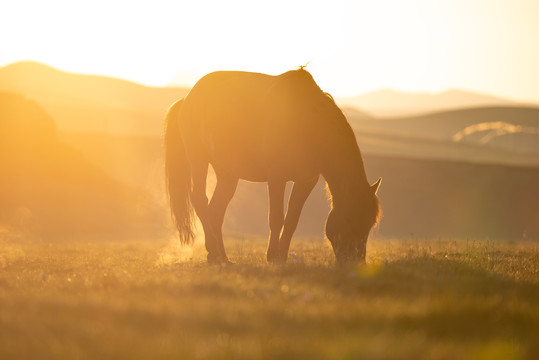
413, 299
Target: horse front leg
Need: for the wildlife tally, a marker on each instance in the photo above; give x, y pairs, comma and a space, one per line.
300, 193
276, 218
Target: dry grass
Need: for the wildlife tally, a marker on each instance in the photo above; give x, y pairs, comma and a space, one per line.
428, 299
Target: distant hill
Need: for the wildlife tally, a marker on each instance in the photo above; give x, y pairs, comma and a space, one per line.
435, 181
52, 190
133, 160
391, 103
507, 135
91, 103
447, 123
422, 197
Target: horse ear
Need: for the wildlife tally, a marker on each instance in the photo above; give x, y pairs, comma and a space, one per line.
376, 185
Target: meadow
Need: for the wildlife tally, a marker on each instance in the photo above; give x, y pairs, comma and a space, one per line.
432, 299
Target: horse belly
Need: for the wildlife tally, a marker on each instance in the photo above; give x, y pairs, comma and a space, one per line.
254, 159
237, 157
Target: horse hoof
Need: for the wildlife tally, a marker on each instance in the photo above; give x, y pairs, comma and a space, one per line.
276, 260
219, 260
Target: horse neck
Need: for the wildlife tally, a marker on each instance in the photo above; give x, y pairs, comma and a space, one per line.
345, 175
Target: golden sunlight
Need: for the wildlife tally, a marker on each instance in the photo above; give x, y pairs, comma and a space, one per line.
353, 47
202, 179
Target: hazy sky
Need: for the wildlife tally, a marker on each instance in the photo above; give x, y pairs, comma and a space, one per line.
354, 46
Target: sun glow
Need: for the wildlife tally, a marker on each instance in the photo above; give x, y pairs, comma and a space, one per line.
353, 46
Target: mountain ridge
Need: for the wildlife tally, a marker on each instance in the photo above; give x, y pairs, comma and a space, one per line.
23, 77
76, 101
98, 104
394, 103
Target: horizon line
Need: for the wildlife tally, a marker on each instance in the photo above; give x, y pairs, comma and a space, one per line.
188, 85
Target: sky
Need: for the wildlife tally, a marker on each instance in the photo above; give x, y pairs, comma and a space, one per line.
352, 47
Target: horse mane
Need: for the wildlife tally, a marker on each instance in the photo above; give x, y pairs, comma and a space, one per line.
301, 83
299, 86
300, 78
307, 91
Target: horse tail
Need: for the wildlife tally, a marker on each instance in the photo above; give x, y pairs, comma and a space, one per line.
178, 176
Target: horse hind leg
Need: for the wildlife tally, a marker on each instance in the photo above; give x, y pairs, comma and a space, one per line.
224, 191
199, 200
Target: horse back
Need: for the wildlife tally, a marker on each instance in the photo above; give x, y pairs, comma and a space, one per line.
252, 124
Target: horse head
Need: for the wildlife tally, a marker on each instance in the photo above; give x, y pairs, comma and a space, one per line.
348, 225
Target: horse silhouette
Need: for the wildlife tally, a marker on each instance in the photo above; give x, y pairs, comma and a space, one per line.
270, 129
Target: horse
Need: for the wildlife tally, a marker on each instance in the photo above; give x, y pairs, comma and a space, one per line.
273, 129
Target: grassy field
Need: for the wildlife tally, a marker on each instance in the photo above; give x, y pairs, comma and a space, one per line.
413, 299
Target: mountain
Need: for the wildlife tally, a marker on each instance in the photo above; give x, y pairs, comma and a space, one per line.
479, 184
506, 135
52, 190
446, 124
393, 103
89, 102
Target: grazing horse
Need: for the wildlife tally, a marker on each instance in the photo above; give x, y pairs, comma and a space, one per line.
270, 129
